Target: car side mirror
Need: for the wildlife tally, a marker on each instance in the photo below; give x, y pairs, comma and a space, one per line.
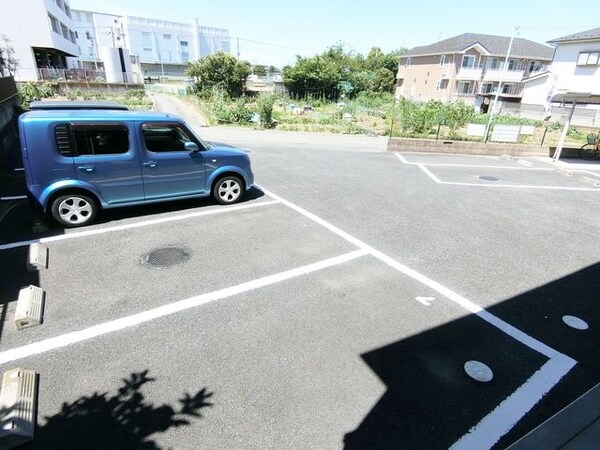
191, 147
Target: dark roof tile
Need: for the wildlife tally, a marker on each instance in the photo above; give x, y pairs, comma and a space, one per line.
495, 45
582, 35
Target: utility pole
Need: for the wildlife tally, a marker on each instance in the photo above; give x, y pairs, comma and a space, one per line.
238, 48
502, 77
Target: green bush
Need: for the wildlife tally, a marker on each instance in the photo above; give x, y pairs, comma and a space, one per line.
223, 109
31, 91
135, 94
264, 107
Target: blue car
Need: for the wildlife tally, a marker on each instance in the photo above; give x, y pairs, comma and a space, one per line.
78, 161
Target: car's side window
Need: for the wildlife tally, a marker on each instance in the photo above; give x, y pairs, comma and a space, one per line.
92, 139
164, 137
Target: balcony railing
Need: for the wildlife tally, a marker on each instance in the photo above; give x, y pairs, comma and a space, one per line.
497, 75
82, 75
508, 90
469, 73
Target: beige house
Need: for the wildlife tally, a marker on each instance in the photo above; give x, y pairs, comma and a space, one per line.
470, 67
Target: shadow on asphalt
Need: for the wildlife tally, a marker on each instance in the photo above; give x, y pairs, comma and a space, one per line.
16, 225
121, 421
431, 403
110, 215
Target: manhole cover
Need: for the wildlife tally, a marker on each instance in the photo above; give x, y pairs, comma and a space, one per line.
478, 371
165, 257
575, 322
488, 178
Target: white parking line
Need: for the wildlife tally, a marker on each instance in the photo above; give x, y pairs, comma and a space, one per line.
487, 432
498, 422
171, 308
145, 223
14, 197
430, 174
479, 166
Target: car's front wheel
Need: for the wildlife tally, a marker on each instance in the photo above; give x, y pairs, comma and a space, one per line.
228, 190
74, 210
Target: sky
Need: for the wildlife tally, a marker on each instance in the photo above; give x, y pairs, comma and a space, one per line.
274, 32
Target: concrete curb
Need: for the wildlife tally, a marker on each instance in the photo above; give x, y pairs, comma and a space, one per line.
465, 147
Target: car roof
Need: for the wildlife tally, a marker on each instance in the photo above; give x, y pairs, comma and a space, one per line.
59, 104
96, 115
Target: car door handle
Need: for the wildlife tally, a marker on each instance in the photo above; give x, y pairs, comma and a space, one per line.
87, 168
150, 164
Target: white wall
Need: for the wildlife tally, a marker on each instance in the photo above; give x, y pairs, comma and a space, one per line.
573, 77
535, 92
156, 41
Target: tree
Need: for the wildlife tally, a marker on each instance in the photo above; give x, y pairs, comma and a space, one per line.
317, 76
259, 70
220, 70
339, 71
8, 63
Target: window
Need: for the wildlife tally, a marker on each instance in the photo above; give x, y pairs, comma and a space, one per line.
513, 64
166, 36
441, 85
494, 64
407, 62
147, 40
588, 59
54, 23
78, 16
487, 88
67, 10
101, 139
72, 36
464, 87
160, 138
468, 62
183, 43
442, 60
65, 30
185, 56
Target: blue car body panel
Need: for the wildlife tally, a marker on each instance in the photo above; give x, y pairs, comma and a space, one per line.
133, 176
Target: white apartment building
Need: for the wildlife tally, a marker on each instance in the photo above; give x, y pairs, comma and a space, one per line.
156, 47
42, 35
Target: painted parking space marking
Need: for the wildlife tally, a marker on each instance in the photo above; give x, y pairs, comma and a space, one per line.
483, 435
426, 301
436, 179
144, 223
169, 309
13, 197
506, 415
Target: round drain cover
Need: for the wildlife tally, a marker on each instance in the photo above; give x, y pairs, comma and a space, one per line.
575, 322
488, 178
165, 257
478, 371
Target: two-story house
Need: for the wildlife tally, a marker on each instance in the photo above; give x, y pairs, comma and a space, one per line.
576, 69
469, 67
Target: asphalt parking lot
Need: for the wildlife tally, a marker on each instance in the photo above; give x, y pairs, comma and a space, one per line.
335, 308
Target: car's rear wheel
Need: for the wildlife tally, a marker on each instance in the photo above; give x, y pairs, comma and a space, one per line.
228, 190
74, 210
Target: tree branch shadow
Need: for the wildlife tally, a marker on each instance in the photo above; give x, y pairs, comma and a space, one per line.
120, 421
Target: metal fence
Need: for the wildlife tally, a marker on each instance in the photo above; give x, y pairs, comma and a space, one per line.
83, 75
